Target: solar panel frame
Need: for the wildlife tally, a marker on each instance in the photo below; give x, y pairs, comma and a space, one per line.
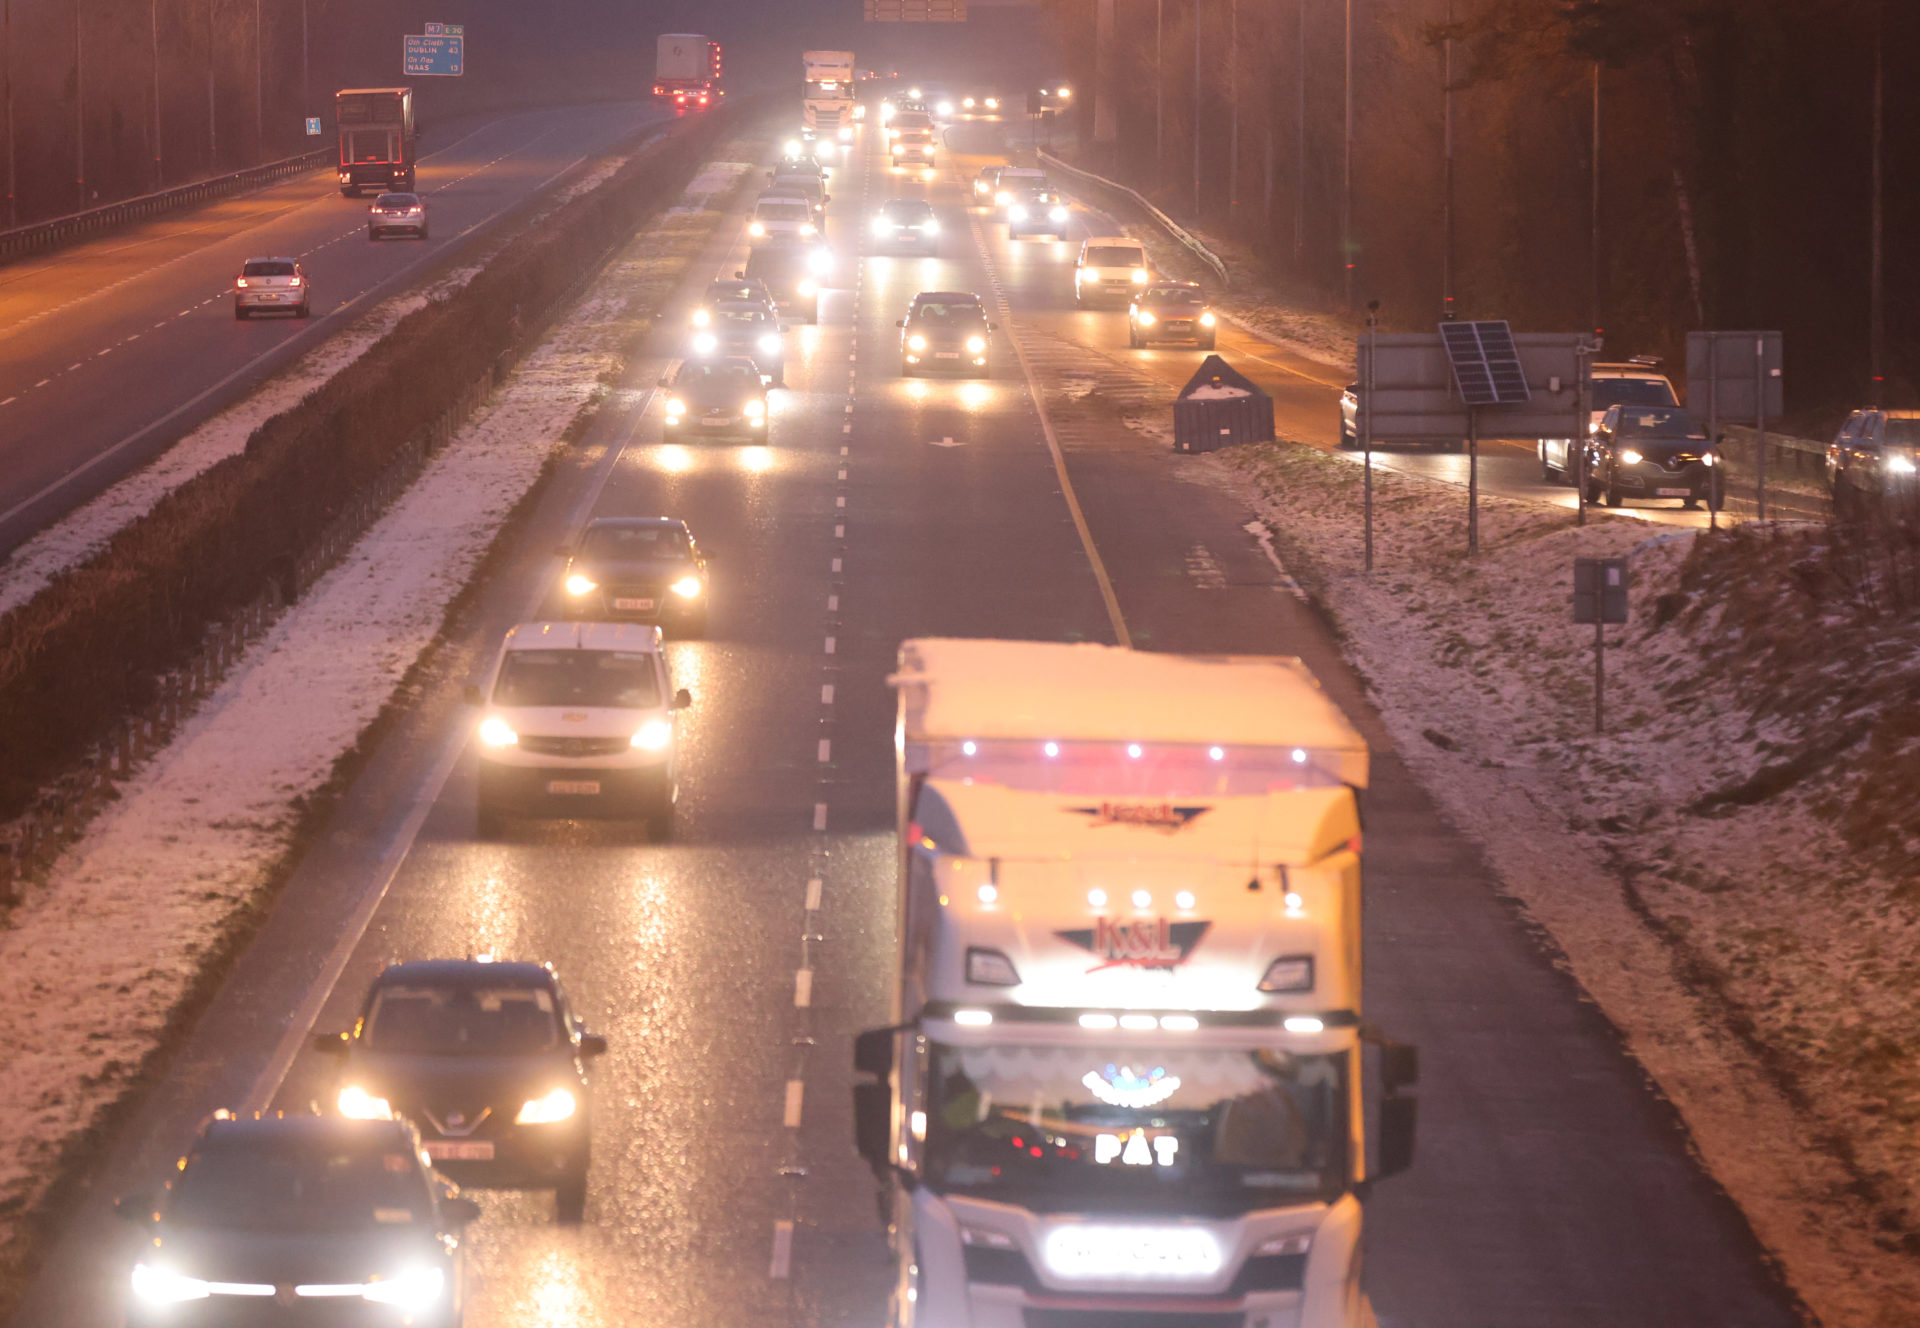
1486, 364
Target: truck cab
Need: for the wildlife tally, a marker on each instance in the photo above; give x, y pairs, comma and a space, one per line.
1127, 1074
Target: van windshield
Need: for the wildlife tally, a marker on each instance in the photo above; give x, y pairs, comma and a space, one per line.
590, 678
1113, 255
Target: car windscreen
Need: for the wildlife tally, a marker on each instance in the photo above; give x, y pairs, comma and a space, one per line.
698, 374
617, 678
397, 200
741, 315
640, 543
266, 267
946, 315
1173, 297
1632, 392
1087, 1128
907, 209
736, 290
783, 212
1656, 421
296, 1186
912, 120
1112, 255
461, 1020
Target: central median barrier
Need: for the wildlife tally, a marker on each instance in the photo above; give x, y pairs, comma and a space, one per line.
96, 643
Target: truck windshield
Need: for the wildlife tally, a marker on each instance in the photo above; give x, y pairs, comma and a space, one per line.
1632, 392
1118, 1129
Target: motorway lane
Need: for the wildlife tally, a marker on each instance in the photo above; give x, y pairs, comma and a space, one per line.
109, 352
1554, 1188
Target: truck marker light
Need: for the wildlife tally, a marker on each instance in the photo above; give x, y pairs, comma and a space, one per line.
1141, 899
1051, 749
989, 893
1099, 1023
1184, 899
1179, 1023
973, 1018
1139, 1023
1299, 756
1133, 750
917, 1123
1097, 898
1217, 753
968, 748
1303, 1023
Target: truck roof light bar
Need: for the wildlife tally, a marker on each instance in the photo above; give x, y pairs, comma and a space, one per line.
1176, 1021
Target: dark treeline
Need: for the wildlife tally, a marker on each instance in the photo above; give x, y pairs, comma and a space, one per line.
1735, 161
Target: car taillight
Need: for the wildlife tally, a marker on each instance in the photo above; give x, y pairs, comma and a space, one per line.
241, 283
294, 282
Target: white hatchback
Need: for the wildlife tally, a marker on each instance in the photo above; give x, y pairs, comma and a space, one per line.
782, 219
579, 721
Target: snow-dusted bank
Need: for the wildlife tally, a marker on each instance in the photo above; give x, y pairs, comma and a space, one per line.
92, 965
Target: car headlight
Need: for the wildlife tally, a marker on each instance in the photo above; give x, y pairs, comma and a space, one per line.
1086, 274
494, 732
967, 102
976, 344
701, 317
755, 229
558, 1105
793, 147
415, 1289
806, 228
944, 108
930, 227
769, 344
1206, 320
808, 286
993, 103
1144, 318
654, 735
355, 1102
1139, 276
687, 587
1900, 465
1709, 459
916, 342
1058, 214
1016, 213
581, 585
755, 409
676, 407
705, 343
159, 1286
1002, 197
881, 226
1630, 457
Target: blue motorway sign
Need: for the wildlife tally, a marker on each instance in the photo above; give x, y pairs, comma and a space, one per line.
446, 29
434, 53
313, 126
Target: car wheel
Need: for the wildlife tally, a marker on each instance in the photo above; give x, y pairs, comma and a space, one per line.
660, 822
304, 311
1133, 339
1614, 496
1547, 473
570, 1197
423, 232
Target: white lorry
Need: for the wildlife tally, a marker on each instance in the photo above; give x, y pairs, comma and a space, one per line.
687, 69
829, 100
1126, 1076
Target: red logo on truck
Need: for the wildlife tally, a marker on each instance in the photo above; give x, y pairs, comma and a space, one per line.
1143, 944
1155, 815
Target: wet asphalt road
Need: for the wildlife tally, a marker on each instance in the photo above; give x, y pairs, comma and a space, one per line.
731, 968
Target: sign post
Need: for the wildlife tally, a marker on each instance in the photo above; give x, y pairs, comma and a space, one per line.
1600, 597
1364, 421
1487, 371
1743, 375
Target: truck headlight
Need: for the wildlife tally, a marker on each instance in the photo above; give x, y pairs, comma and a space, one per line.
1016, 213
687, 587
756, 230
806, 228
415, 1289
1900, 465
976, 344
705, 343
1003, 197
581, 585
769, 344
654, 735
356, 1103
555, 1106
916, 342
494, 732
846, 134
1058, 214
1139, 276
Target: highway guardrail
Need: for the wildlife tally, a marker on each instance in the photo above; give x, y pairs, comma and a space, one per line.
1161, 219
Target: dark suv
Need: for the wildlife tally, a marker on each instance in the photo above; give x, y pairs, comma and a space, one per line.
1652, 452
1875, 452
639, 569
945, 331
489, 1063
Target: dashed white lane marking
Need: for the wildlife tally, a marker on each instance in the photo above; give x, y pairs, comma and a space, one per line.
1205, 569
826, 750
796, 1089
833, 604
849, 408
846, 428
782, 1250
839, 532
43, 382
814, 886
836, 564
843, 472
843, 448
829, 645
75, 365
803, 988
819, 816
826, 693
840, 501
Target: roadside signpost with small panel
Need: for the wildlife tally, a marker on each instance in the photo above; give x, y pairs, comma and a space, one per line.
1600, 597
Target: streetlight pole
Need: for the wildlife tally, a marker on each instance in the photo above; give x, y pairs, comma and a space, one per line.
1196, 109
6, 32
79, 115
259, 87
1876, 298
153, 26
1446, 226
1300, 141
1346, 182
1159, 93
1233, 108
306, 73
1593, 243
213, 116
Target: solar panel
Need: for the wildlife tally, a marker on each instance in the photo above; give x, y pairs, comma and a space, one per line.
1486, 364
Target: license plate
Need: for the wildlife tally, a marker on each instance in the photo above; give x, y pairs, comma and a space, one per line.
634, 605
717, 421
583, 787
946, 355
1672, 493
460, 1150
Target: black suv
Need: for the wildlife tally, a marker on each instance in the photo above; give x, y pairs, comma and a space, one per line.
1652, 452
637, 569
791, 276
721, 398
945, 331
299, 1220
489, 1063
1875, 452
906, 221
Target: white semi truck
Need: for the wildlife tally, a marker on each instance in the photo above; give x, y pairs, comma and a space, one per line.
829, 100
1127, 1078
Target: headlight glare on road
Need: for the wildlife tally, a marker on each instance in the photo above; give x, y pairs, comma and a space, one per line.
1630, 458
687, 587
654, 735
356, 1103
1206, 320
494, 732
1139, 276
415, 1289
916, 342
976, 344
159, 1286
581, 585
705, 343
555, 1106
769, 344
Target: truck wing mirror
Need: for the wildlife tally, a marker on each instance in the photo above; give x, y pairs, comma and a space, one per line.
1397, 1117
1399, 1066
873, 1052
873, 1123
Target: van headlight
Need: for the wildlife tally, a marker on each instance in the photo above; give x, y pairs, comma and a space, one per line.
1086, 274
769, 344
494, 732
1206, 320
558, 1105
976, 344
654, 735
1900, 465
1058, 214
1003, 197
1016, 213
756, 409
755, 229
687, 587
415, 1289
1139, 276
701, 318
356, 1103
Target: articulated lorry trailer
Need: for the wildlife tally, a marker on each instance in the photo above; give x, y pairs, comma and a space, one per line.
1127, 1078
687, 69
378, 148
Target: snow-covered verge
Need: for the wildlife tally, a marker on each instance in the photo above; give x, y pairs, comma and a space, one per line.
95, 964
85, 531
1732, 868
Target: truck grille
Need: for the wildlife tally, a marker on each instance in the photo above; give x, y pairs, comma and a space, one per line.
540, 746
1262, 1272
1036, 1318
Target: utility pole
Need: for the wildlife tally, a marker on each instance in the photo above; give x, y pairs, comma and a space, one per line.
1876, 298
153, 26
1446, 166
79, 115
1159, 94
1300, 142
1196, 109
306, 72
6, 33
259, 89
213, 117
1346, 181
1233, 109
1593, 244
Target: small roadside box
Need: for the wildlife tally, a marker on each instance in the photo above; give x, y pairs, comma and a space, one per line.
1219, 407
